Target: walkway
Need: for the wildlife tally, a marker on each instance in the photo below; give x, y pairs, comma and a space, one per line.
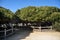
26, 35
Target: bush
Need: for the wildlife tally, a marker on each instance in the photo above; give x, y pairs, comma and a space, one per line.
56, 26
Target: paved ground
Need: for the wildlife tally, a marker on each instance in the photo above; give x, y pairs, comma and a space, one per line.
43, 36
27, 35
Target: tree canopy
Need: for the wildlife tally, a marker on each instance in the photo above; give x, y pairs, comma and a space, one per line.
5, 14
39, 14
32, 14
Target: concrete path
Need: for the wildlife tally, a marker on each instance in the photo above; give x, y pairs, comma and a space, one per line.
26, 35
43, 36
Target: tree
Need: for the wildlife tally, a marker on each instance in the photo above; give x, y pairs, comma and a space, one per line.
39, 14
55, 17
56, 26
5, 15
26, 13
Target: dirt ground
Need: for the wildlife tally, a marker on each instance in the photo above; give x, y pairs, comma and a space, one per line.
26, 35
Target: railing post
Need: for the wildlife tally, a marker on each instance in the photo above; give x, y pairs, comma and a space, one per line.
12, 29
40, 28
5, 34
51, 27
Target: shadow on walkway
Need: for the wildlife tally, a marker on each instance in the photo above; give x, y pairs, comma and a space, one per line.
21, 34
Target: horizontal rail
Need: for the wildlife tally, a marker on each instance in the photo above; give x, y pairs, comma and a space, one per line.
47, 27
6, 30
9, 30
42, 27
1, 36
9, 34
1, 31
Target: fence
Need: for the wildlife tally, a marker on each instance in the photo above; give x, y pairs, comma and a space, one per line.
6, 33
40, 28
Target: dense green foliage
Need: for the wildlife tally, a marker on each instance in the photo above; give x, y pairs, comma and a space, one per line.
38, 14
56, 26
5, 15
